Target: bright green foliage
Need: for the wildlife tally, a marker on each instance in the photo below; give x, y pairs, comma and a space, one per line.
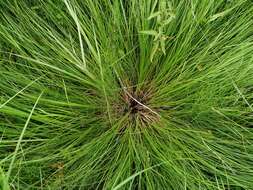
126, 94
3, 181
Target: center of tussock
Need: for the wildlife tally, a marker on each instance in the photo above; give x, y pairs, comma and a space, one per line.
136, 105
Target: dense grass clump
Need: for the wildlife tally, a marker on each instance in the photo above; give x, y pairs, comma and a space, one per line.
126, 94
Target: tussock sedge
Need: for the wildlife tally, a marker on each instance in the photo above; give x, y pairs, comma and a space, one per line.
126, 94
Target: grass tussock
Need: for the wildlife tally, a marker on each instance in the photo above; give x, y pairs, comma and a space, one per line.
137, 94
